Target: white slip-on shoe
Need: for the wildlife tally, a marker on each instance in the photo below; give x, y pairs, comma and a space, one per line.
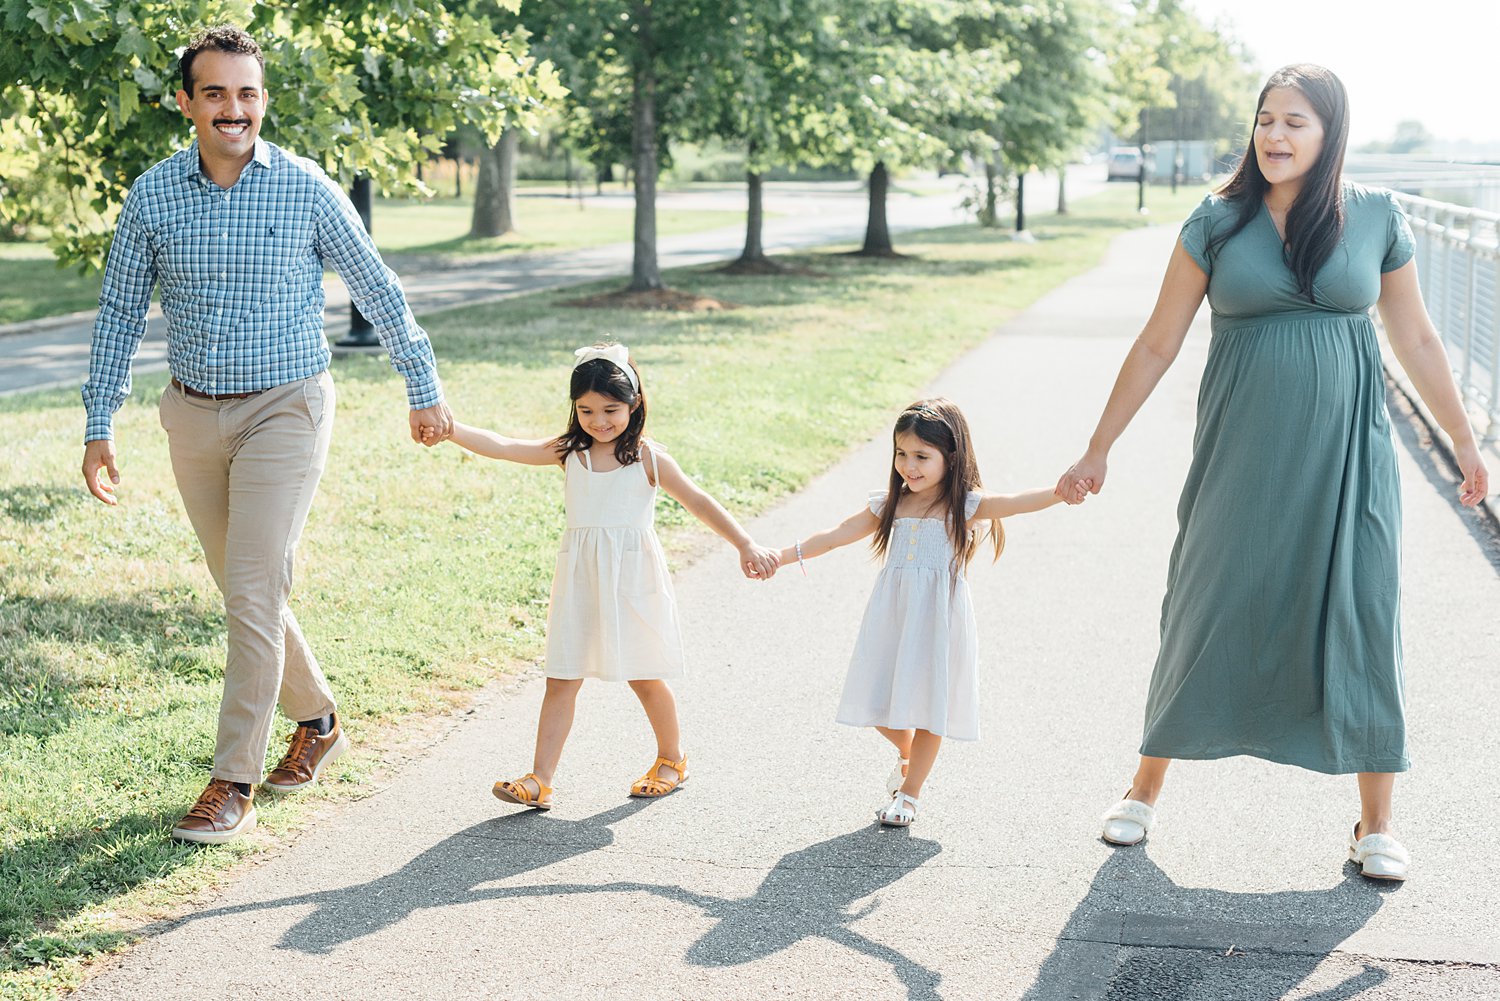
1380, 856
1127, 822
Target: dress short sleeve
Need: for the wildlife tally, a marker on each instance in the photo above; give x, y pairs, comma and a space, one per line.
1400, 245
1197, 230
877, 501
971, 504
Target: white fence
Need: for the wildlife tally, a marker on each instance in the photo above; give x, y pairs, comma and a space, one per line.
1458, 262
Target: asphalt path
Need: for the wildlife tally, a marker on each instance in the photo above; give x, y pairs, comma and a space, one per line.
765, 876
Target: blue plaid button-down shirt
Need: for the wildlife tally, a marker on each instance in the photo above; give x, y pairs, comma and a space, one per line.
241, 279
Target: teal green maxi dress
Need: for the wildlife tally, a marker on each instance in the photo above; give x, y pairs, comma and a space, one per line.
1280, 632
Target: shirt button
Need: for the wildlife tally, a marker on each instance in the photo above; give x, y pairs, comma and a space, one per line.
910, 556
223, 274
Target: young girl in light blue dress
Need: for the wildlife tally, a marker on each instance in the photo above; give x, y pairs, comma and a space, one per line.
914, 675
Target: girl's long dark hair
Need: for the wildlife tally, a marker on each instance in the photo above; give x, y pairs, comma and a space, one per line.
940, 423
1315, 224
599, 375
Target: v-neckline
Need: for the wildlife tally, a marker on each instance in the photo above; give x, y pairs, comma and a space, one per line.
1280, 236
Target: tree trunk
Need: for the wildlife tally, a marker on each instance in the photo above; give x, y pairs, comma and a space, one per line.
989, 212
494, 194
1020, 201
644, 274
753, 251
1062, 190
877, 232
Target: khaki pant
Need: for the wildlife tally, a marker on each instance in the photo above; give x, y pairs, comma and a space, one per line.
247, 471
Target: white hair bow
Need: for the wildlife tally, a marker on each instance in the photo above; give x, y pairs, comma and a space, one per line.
616, 354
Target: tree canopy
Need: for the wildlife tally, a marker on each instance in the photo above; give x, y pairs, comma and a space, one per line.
363, 87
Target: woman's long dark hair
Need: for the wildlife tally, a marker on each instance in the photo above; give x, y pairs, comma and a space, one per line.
940, 423
599, 375
1315, 223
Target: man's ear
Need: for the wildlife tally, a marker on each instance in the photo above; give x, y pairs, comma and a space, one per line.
182, 103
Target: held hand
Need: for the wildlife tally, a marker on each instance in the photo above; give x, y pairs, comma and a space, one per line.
98, 459
758, 562
438, 419
1086, 476
1476, 484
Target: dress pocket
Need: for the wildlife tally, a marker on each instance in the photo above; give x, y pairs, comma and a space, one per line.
646, 590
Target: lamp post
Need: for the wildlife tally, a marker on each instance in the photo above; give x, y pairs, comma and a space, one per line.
361, 331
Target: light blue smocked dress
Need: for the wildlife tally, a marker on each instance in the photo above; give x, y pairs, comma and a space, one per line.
916, 661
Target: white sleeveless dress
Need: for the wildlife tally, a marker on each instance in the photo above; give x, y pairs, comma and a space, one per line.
613, 615
916, 661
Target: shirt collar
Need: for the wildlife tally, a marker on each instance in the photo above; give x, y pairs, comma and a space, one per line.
260, 157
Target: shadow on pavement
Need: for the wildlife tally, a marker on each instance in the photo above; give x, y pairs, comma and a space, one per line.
807, 894
1138, 935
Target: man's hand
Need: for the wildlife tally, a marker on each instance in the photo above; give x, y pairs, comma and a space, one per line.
99, 458
438, 420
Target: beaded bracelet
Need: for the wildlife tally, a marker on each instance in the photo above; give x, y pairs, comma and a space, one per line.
802, 565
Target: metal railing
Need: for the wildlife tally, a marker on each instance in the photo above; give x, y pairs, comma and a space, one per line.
1458, 264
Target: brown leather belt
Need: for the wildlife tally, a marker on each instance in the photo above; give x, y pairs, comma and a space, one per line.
189, 390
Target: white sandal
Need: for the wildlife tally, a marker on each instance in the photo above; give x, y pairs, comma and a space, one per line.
1380, 856
1128, 822
900, 813
897, 778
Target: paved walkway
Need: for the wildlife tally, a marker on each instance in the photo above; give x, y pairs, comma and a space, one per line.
766, 877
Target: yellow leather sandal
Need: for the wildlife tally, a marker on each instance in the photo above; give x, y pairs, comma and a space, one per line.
651, 785
518, 792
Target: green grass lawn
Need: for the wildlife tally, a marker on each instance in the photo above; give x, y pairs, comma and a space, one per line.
32, 285
411, 234
441, 226
423, 573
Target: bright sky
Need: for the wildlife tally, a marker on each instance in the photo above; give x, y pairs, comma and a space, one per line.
1436, 61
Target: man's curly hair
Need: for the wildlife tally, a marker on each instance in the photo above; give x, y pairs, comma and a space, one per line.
219, 38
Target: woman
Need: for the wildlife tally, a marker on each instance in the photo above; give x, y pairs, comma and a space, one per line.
1280, 634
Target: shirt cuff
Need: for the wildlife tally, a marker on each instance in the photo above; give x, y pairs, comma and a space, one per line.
424, 393
97, 429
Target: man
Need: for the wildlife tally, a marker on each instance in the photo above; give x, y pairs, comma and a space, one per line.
235, 233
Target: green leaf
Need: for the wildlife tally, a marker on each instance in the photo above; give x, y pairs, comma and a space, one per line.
130, 101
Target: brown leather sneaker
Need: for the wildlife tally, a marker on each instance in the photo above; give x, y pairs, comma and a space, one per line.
221, 814
306, 754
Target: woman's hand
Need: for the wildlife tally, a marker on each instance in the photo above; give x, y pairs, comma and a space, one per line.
1476, 484
1084, 477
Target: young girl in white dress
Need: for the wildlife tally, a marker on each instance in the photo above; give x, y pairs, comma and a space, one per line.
915, 672
612, 614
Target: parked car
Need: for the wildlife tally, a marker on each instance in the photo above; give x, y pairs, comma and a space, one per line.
1124, 163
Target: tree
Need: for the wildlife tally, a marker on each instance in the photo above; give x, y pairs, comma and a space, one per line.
494, 195
1209, 87
636, 70
919, 81
1056, 97
768, 97
363, 87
